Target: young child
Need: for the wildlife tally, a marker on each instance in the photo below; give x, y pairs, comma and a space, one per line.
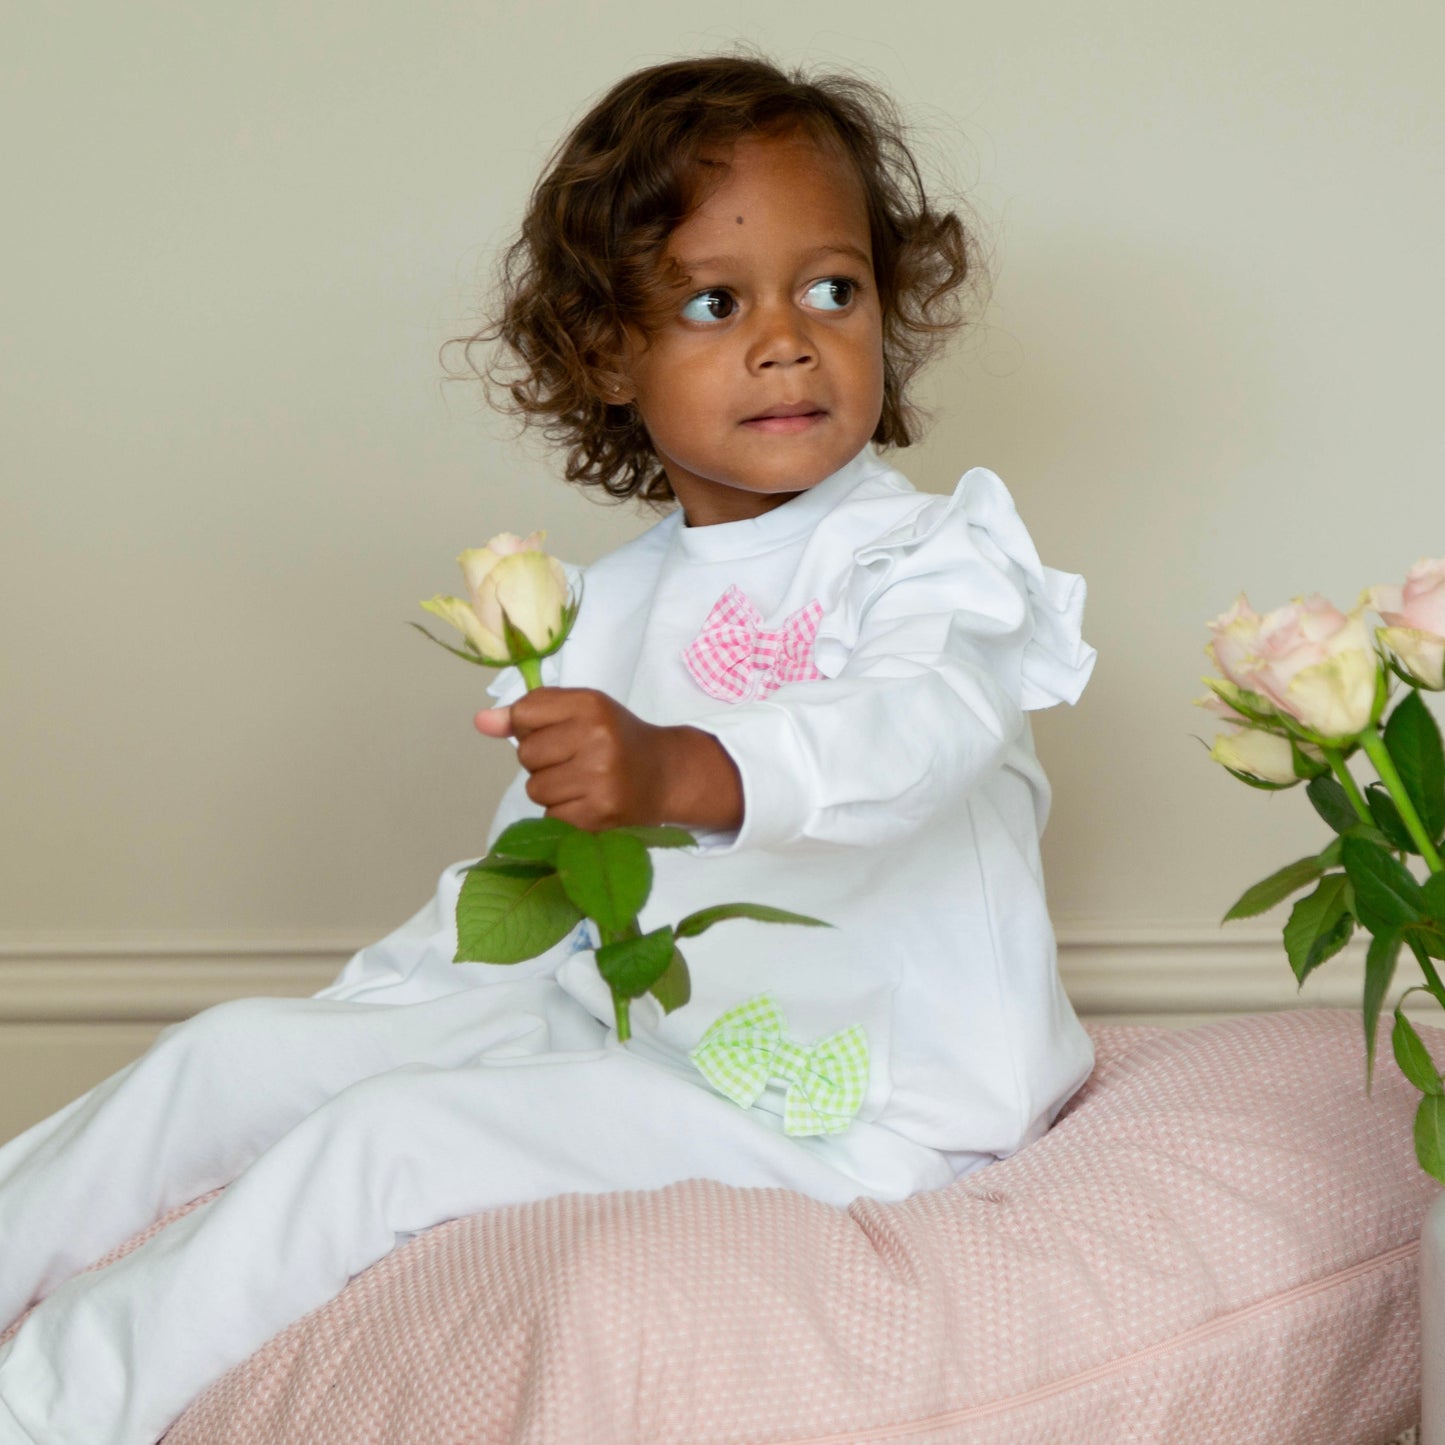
724, 282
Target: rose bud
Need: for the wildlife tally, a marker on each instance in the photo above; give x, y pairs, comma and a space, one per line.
1414, 615
520, 606
1262, 757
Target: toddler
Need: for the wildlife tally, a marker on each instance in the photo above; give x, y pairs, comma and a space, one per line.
724, 283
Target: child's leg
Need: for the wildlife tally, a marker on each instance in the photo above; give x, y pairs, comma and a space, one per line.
117, 1355
215, 1091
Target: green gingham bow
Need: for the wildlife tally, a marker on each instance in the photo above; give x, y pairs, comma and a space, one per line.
747, 1045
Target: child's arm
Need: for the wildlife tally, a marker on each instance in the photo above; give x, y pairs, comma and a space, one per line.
597, 765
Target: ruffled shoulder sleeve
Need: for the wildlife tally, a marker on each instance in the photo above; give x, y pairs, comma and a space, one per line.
976, 553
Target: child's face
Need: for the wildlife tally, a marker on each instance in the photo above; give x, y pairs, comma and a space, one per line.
769, 377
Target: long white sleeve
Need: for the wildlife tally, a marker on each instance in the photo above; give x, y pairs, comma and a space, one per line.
919, 713
946, 632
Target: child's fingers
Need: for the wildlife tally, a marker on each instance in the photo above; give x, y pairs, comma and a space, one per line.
546, 747
494, 722
556, 787
545, 707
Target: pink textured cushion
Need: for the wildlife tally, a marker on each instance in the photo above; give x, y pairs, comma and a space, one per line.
1217, 1242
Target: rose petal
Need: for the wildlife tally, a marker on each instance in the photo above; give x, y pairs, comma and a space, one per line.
531, 588
464, 619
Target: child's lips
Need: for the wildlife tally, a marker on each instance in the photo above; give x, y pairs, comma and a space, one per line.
786, 420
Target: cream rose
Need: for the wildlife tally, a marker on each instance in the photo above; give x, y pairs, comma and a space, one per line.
512, 577
1414, 617
510, 581
1316, 665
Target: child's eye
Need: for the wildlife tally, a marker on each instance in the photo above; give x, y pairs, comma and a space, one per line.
833, 293
709, 306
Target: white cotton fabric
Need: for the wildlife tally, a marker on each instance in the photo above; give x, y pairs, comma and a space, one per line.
899, 798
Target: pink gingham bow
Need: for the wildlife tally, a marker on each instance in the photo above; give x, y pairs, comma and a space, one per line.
734, 658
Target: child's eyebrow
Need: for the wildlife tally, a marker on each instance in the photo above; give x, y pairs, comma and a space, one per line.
725, 263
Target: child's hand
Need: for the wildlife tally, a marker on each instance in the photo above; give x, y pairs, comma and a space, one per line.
597, 765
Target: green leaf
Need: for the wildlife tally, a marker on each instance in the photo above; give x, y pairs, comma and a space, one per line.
1413, 1057
674, 987
665, 837
535, 838
1329, 944
1413, 739
631, 966
1387, 818
1430, 1135
704, 918
513, 867
1423, 936
1332, 803
1386, 895
1379, 970
1367, 833
1432, 892
608, 875
506, 918
1277, 887
1319, 926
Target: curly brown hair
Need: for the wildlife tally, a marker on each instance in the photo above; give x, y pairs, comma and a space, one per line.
589, 262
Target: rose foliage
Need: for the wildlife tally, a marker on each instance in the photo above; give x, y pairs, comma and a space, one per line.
1307, 687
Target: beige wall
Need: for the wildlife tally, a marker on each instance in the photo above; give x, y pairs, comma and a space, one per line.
236, 235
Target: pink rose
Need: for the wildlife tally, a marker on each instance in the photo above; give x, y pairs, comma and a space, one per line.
1233, 643
1316, 665
1414, 617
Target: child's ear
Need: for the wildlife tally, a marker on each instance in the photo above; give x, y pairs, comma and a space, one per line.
615, 390
614, 377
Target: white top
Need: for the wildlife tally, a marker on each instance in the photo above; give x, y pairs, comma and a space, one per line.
894, 794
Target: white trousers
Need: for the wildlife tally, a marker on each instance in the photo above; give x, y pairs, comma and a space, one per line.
342, 1128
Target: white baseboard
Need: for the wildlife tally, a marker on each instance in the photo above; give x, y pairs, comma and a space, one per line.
74, 1009
1162, 972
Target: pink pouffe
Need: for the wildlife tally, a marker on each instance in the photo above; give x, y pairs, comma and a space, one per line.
1217, 1242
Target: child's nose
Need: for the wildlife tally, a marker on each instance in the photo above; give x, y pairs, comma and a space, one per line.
782, 340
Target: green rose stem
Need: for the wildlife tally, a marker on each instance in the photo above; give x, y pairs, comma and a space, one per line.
621, 1004
531, 670
1432, 979
1336, 760
1379, 755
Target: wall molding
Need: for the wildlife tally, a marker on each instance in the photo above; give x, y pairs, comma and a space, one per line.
1108, 969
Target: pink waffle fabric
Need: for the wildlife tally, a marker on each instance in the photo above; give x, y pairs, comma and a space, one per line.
1217, 1242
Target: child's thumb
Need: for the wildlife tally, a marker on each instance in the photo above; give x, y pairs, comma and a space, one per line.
494, 722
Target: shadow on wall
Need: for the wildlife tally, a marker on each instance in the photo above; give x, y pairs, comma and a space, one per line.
1139, 407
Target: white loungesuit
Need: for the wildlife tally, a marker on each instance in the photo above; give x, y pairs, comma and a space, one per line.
867, 655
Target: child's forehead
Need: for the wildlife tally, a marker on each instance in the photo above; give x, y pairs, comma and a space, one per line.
791, 182
774, 157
